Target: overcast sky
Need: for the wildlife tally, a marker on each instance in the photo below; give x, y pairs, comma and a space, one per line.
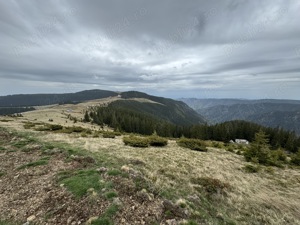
172, 48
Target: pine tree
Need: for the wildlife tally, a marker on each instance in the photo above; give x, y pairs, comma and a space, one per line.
259, 150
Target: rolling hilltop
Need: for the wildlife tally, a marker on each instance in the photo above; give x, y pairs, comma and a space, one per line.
157, 107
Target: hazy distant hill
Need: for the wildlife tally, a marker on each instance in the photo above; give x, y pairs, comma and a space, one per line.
49, 99
272, 113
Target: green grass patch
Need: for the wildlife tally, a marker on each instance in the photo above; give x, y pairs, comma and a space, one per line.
2, 173
22, 143
6, 222
110, 195
107, 217
79, 182
102, 221
114, 172
41, 162
193, 144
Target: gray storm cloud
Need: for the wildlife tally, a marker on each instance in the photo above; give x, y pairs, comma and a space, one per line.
231, 48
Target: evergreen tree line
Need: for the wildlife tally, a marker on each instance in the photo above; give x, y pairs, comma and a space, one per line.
13, 110
131, 121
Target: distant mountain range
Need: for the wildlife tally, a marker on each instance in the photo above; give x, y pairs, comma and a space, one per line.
49, 99
269, 112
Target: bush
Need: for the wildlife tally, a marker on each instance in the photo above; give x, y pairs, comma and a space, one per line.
230, 149
28, 125
136, 141
108, 135
77, 129
251, 168
157, 141
211, 185
43, 128
260, 155
193, 144
295, 159
54, 127
217, 144
279, 155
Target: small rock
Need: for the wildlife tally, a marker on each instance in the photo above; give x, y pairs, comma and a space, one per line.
220, 216
193, 198
125, 168
31, 218
117, 201
69, 221
90, 190
171, 222
143, 196
62, 185
101, 170
90, 220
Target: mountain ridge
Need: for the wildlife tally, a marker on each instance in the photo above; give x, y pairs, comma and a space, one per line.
267, 112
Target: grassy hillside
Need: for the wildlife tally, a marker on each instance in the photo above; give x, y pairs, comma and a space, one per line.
71, 177
170, 110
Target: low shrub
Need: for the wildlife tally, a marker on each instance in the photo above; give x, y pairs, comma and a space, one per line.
251, 168
157, 141
135, 141
28, 125
279, 155
295, 159
217, 144
230, 149
43, 128
194, 144
55, 127
211, 185
108, 135
77, 129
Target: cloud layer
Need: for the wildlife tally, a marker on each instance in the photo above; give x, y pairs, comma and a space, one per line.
231, 48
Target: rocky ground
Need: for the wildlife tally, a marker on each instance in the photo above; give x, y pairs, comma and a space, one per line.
33, 195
